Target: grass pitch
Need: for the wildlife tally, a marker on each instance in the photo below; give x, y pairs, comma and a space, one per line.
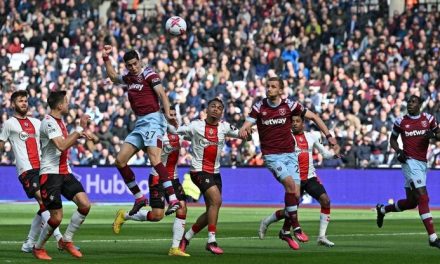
358, 240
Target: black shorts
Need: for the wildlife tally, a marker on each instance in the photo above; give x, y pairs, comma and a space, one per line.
158, 194
205, 180
54, 185
313, 187
31, 182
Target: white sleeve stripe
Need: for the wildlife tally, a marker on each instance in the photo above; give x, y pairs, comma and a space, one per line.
148, 75
256, 108
294, 106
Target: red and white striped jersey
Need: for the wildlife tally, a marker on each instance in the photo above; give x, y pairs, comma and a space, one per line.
207, 142
53, 161
24, 136
305, 143
170, 154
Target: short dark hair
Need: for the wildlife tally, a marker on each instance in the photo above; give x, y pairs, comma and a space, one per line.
172, 107
419, 99
131, 54
19, 93
277, 79
55, 98
216, 100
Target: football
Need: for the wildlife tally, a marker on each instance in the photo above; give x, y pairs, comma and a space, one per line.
176, 26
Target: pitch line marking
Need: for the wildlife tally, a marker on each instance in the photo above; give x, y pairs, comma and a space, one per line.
6, 242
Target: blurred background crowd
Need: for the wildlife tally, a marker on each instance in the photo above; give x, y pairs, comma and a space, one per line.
350, 62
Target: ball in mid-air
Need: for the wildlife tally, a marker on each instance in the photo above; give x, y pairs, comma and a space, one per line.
176, 26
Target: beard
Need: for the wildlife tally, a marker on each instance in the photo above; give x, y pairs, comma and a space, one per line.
21, 111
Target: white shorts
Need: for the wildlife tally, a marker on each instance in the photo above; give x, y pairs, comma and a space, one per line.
415, 172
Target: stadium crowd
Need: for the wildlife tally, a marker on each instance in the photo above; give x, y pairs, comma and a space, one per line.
352, 64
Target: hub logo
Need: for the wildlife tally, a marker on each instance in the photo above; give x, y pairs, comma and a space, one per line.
94, 184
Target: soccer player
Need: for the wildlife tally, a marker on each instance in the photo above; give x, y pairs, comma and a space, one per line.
170, 156
416, 129
56, 177
23, 133
144, 90
207, 141
273, 116
310, 183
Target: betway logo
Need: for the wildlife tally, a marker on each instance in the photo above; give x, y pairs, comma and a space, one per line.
278, 121
135, 86
115, 185
415, 133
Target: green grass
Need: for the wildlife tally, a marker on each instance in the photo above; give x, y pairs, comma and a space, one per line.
358, 240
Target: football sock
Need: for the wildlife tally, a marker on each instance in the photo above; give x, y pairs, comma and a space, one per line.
291, 203
44, 218
76, 221
166, 182
178, 229
142, 216
425, 214
211, 233
46, 232
129, 179
324, 219
400, 206
286, 226
35, 230
192, 231
276, 216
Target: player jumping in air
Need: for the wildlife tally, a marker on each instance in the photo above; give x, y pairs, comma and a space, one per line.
310, 183
416, 129
144, 90
273, 117
170, 156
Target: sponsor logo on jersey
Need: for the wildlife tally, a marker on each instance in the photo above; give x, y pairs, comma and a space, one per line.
23, 135
204, 143
168, 149
135, 86
415, 133
272, 121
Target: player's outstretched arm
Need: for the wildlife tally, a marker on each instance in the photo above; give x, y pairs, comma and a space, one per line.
318, 121
165, 104
326, 154
111, 72
65, 143
245, 131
